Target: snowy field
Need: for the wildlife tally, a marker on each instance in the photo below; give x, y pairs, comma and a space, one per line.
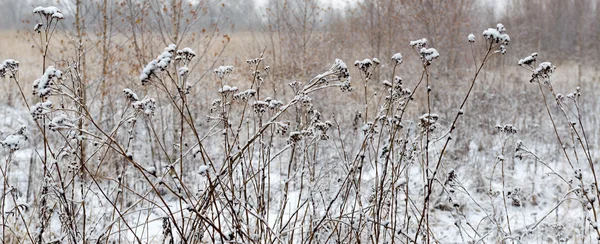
113, 136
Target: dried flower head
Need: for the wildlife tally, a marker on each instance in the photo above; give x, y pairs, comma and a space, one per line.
397, 58
43, 86
145, 106
9, 66
13, 142
419, 44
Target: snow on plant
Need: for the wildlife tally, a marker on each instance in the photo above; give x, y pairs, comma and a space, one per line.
185, 54
223, 71
40, 109
428, 55
145, 106
61, 122
543, 71
14, 141
529, 60
397, 58
130, 95
418, 44
10, 67
471, 38
158, 65
42, 87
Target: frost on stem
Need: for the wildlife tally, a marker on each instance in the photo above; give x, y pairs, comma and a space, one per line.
158, 65
9, 66
43, 86
14, 141
397, 58
145, 106
130, 95
222, 71
471, 38
40, 109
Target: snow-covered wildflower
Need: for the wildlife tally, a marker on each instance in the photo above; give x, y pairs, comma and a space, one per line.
529, 60
254, 61
340, 69
428, 121
397, 58
14, 141
131, 96
157, 65
61, 122
47, 11
428, 55
183, 71
471, 38
226, 90
222, 71
365, 65
260, 106
245, 95
419, 44
497, 35
40, 109
507, 129
186, 54
38, 27
273, 104
501, 49
295, 136
43, 86
146, 106
203, 170
9, 66
544, 71
58, 16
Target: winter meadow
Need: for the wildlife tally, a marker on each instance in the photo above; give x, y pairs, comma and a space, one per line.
299, 121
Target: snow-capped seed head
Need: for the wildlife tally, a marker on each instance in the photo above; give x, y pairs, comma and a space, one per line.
183, 71
131, 96
497, 35
145, 106
57, 16
340, 69
43, 86
471, 38
186, 53
61, 122
222, 71
13, 142
38, 27
428, 54
376, 61
40, 109
363, 65
419, 44
9, 66
529, 60
46, 11
203, 170
397, 58
544, 71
